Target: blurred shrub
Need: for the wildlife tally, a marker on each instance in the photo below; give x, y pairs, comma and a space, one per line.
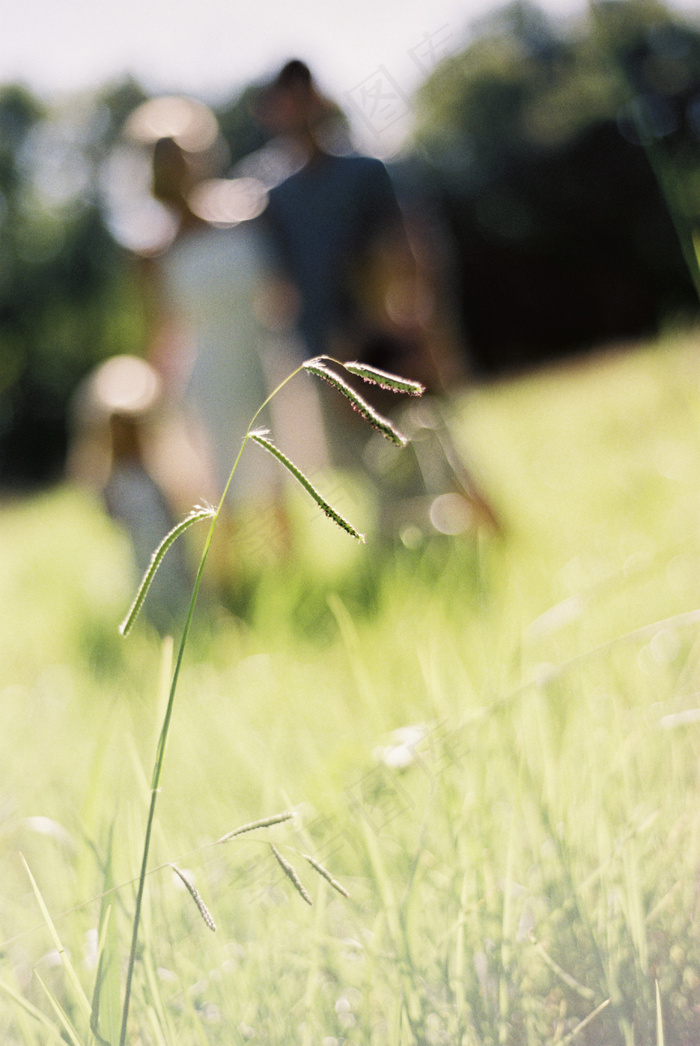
566, 163
64, 299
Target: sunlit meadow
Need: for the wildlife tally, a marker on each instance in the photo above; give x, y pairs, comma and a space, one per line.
490, 742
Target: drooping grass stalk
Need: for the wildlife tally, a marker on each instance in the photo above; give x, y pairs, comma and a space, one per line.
378, 421
363, 408
196, 897
195, 515
264, 822
268, 445
291, 873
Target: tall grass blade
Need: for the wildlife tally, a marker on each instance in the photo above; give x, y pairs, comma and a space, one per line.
385, 380
33, 1012
156, 1011
659, 1018
363, 408
392, 917
106, 995
269, 446
60, 1013
70, 971
106, 1001
156, 559
584, 1023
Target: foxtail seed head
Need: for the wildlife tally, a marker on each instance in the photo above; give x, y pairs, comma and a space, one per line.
308, 486
291, 874
385, 380
197, 513
325, 874
375, 419
264, 822
196, 897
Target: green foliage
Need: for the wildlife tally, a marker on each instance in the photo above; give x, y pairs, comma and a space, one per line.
241, 132
567, 159
66, 296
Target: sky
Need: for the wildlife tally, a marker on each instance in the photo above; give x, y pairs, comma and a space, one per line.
367, 54
209, 47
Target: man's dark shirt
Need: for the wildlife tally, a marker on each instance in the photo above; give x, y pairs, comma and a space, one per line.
323, 220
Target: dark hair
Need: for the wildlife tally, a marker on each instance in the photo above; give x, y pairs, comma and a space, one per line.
294, 73
169, 170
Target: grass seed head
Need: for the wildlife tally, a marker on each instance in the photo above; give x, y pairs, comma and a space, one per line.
264, 822
306, 483
363, 408
324, 873
385, 380
291, 874
196, 897
197, 513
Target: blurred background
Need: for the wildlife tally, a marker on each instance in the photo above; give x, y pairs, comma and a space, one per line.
553, 151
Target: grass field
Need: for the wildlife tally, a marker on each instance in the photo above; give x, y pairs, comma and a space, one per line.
492, 743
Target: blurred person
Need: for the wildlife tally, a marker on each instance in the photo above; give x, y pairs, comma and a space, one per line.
217, 292
202, 272
114, 412
219, 334
340, 237
342, 244
204, 286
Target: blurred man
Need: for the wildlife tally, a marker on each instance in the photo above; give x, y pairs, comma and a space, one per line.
341, 242
340, 238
